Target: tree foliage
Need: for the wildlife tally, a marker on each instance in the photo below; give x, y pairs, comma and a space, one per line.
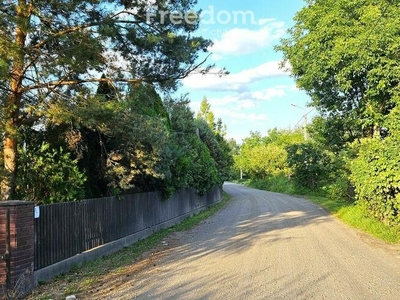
52, 53
219, 149
310, 164
333, 132
109, 146
344, 54
206, 114
195, 165
261, 157
49, 175
375, 173
378, 160
337, 56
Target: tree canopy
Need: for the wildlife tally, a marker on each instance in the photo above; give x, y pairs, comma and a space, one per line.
344, 54
265, 156
53, 54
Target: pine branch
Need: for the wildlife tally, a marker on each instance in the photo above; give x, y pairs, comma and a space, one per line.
57, 83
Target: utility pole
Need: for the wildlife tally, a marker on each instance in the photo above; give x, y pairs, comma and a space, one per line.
305, 116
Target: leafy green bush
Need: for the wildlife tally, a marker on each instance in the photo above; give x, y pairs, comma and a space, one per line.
279, 184
48, 175
337, 185
264, 157
338, 190
375, 174
311, 164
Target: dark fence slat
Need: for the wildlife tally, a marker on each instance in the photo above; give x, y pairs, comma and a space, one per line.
66, 229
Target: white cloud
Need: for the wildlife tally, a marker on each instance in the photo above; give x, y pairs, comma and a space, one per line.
239, 41
249, 100
239, 107
265, 21
234, 82
232, 116
246, 104
240, 116
268, 94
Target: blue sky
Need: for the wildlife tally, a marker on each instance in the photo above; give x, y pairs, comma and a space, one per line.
256, 95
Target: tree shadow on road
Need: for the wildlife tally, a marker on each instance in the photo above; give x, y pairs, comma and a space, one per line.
267, 220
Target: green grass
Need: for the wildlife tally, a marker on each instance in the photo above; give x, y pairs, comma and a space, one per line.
80, 279
356, 216
279, 184
350, 213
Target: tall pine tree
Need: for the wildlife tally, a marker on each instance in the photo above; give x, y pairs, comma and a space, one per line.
52, 51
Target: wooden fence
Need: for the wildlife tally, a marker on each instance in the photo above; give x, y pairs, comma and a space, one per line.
66, 229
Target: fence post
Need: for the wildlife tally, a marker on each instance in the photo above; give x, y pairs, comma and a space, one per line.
17, 238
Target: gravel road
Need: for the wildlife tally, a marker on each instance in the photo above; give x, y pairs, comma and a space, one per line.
265, 245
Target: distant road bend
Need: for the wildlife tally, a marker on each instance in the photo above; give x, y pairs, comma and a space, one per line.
265, 245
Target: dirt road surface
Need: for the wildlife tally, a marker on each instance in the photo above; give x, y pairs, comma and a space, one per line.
264, 245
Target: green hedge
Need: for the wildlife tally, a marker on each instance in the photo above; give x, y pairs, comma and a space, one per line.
375, 173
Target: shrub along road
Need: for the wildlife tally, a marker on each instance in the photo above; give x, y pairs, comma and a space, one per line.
265, 245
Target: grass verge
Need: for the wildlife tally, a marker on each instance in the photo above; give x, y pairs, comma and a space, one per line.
357, 217
350, 213
82, 279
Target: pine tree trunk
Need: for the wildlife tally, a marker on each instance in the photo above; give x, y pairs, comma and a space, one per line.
10, 150
10, 166
13, 103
